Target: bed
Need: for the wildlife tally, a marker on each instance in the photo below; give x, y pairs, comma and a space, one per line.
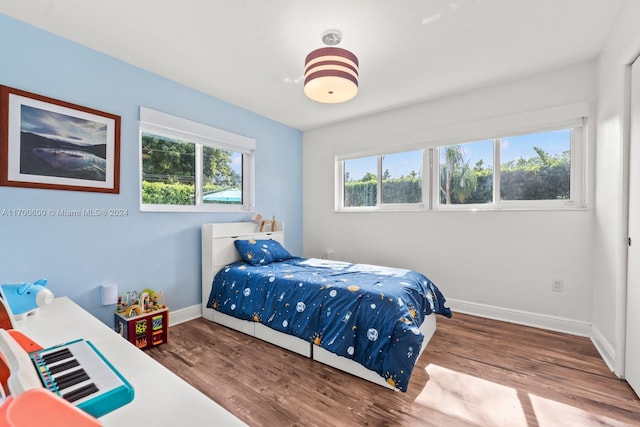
370, 321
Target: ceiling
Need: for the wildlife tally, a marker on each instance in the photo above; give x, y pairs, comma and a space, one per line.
251, 52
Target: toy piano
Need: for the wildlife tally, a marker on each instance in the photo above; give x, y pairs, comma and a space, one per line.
76, 371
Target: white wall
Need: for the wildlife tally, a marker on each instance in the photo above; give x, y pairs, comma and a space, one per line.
610, 194
498, 264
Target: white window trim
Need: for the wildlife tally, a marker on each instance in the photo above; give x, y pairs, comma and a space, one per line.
576, 197
156, 122
573, 116
385, 207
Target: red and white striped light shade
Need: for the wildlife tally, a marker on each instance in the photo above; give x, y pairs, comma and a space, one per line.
331, 75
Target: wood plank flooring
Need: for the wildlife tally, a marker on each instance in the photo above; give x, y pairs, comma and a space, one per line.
474, 372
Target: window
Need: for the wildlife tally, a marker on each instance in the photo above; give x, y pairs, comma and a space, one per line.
536, 166
466, 173
402, 177
535, 169
187, 166
541, 167
361, 182
383, 181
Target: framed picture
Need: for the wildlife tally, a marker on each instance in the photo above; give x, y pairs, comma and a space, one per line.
52, 144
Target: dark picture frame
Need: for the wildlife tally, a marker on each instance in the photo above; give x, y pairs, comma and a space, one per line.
52, 144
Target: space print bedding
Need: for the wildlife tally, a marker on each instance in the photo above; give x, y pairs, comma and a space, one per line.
370, 314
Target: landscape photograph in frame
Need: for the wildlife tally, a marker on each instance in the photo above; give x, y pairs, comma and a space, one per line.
52, 144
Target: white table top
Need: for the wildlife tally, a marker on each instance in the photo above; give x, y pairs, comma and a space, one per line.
161, 397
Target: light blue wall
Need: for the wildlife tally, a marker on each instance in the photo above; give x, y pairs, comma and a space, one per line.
156, 250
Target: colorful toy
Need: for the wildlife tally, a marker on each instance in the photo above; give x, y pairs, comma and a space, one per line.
25, 298
145, 321
130, 304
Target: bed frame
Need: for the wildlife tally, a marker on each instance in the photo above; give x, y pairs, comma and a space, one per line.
218, 250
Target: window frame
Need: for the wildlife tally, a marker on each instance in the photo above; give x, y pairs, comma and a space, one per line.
576, 192
339, 181
571, 116
169, 126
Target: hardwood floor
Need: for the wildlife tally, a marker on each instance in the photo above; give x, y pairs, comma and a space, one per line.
474, 372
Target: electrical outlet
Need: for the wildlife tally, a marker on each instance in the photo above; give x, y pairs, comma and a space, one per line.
557, 285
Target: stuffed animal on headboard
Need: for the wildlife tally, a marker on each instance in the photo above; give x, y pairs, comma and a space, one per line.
25, 298
265, 222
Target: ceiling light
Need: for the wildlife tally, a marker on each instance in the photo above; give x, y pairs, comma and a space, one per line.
331, 73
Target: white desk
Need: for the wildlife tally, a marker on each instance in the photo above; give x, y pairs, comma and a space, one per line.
161, 397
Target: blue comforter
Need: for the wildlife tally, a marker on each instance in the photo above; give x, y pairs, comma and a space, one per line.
367, 313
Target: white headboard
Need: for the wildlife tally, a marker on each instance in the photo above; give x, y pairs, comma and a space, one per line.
218, 250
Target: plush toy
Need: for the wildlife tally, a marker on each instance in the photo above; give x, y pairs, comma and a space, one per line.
25, 298
265, 222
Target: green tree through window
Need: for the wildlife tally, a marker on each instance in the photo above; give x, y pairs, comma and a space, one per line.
169, 170
532, 167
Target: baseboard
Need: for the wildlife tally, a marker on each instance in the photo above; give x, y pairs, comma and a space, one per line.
537, 320
603, 346
184, 314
